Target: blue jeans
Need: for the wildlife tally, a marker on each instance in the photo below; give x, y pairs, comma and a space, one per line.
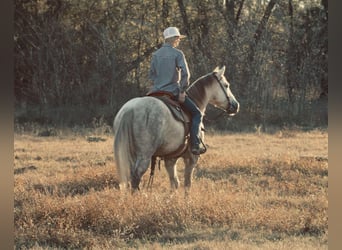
196, 120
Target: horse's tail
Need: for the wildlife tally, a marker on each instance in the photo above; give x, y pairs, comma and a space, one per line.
123, 149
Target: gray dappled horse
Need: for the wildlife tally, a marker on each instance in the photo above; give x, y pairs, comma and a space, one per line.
144, 127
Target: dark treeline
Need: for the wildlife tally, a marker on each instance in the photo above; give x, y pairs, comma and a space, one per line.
80, 60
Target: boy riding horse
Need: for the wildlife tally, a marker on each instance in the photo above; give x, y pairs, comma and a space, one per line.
170, 73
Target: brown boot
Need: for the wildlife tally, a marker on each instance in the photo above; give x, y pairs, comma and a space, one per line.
197, 149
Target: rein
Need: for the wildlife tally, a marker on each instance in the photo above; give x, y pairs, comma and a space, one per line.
216, 117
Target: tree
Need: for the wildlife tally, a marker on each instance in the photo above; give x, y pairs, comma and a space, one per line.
95, 55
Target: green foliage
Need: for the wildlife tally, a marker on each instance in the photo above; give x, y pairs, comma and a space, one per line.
94, 55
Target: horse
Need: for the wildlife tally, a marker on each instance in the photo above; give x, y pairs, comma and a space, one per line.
144, 127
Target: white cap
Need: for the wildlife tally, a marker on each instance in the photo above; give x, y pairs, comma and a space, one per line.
172, 31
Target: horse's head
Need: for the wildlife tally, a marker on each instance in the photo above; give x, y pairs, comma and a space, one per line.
221, 95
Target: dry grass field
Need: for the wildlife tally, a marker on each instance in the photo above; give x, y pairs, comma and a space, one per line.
250, 191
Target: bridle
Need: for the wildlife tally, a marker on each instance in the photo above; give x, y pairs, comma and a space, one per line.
222, 110
223, 89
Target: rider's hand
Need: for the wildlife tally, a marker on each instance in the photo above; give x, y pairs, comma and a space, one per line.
181, 97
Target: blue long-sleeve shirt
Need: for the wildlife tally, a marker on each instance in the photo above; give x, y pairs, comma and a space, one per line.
169, 70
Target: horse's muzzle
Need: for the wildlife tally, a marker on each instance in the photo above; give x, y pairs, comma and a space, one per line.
233, 108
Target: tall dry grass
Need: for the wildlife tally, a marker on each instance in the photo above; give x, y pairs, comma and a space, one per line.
250, 191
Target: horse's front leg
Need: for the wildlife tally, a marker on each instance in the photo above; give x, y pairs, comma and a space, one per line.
170, 165
190, 162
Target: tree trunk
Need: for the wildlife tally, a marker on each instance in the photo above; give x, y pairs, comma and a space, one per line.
190, 37
185, 18
291, 57
247, 72
324, 52
260, 29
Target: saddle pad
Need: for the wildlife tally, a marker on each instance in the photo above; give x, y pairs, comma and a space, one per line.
174, 107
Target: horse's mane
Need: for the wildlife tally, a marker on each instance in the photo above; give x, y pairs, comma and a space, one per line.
200, 79
196, 90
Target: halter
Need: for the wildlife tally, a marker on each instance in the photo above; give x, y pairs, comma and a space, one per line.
222, 110
223, 89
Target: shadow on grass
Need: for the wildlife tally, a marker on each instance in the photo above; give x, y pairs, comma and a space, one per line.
72, 188
306, 166
222, 174
24, 169
191, 237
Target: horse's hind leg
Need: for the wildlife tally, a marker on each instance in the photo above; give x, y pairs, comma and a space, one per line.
170, 165
140, 167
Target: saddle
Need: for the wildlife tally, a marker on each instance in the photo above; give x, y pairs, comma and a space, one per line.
174, 106
179, 114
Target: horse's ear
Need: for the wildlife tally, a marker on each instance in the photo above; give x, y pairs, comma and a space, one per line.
220, 71
216, 69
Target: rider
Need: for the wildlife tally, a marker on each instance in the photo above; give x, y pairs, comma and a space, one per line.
169, 72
